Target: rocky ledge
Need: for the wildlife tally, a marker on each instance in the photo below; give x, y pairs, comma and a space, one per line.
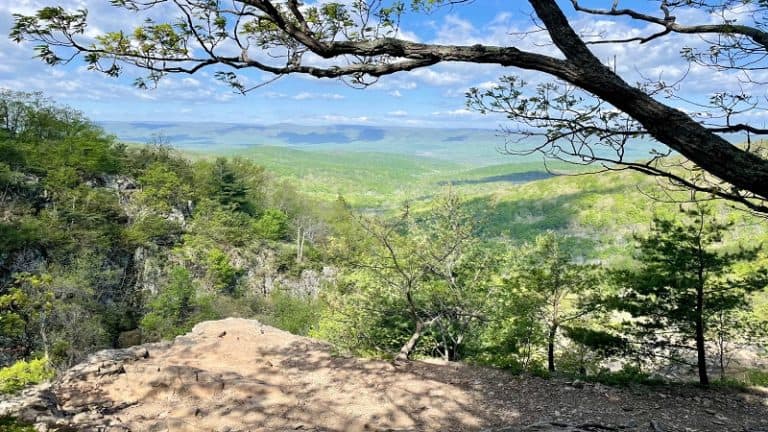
71, 402
238, 375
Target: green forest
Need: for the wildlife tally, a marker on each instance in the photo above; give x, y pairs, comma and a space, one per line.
107, 245
384, 215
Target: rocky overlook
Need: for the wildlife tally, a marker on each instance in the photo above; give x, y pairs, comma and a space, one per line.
239, 375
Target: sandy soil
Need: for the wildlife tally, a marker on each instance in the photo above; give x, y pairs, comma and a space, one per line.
237, 375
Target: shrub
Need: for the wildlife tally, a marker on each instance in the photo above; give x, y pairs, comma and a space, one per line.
757, 377
152, 229
177, 308
272, 225
9, 424
23, 373
292, 313
627, 375
221, 273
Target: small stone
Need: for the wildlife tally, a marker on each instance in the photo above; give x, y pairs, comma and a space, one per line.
82, 417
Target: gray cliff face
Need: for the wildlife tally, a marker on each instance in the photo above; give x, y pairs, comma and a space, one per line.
259, 271
148, 262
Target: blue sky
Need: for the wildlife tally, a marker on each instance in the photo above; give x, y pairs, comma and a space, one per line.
429, 97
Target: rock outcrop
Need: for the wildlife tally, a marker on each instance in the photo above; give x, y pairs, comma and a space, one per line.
73, 401
237, 375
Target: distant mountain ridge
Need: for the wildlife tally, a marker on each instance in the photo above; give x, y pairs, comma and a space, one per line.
468, 147
473, 147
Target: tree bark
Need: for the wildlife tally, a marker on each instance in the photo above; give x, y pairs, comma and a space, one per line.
551, 347
407, 349
668, 125
701, 353
299, 244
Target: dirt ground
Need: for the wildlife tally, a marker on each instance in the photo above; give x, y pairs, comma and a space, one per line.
237, 375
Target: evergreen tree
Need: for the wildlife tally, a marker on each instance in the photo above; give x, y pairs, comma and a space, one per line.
227, 188
684, 281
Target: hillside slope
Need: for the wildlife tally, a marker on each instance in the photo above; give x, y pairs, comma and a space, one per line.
238, 375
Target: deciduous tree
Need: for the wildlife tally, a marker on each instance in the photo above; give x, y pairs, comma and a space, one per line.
547, 276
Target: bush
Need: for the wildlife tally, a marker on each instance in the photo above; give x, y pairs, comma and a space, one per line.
177, 308
508, 362
292, 313
9, 424
756, 377
627, 375
272, 225
23, 373
150, 229
221, 273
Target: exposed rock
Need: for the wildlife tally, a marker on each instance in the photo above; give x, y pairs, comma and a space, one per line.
31, 403
556, 427
73, 401
118, 183
257, 378
149, 261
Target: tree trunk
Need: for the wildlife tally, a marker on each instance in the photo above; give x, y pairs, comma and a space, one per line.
700, 342
407, 349
299, 244
551, 348
44, 337
721, 342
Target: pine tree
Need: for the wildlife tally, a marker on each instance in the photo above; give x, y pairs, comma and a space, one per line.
684, 280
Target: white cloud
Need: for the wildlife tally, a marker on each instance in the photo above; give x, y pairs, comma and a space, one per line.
437, 77
191, 82
325, 96
271, 95
335, 118
486, 85
460, 112
431, 93
407, 35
